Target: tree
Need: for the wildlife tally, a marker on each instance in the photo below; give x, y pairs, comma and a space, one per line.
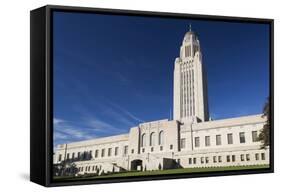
264, 134
65, 168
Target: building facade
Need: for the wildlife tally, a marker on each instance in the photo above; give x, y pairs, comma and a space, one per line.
191, 139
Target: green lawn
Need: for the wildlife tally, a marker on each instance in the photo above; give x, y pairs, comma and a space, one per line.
164, 172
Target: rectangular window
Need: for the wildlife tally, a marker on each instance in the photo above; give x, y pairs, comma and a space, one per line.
93, 168
220, 160
190, 160
182, 143
207, 159
255, 136
109, 152
132, 151
248, 157
194, 160
96, 153
229, 138
171, 146
116, 151
202, 160
262, 156
233, 158
126, 150
73, 155
161, 148
197, 142
218, 139
59, 157
78, 155
143, 150
257, 156
151, 149
228, 158
242, 137
207, 141
67, 156
214, 159
102, 152
242, 156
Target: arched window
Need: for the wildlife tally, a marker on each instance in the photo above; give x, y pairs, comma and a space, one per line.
161, 138
143, 138
152, 139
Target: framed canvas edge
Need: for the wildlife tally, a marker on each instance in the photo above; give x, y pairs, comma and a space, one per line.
49, 91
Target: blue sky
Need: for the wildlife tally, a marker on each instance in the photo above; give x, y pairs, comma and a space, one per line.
113, 72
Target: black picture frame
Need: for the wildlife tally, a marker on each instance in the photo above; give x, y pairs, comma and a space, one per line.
41, 114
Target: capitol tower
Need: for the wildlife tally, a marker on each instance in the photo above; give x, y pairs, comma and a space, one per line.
190, 84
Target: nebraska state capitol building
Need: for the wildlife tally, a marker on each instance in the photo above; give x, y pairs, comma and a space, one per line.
189, 140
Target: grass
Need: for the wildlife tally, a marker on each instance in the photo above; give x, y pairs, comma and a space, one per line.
163, 172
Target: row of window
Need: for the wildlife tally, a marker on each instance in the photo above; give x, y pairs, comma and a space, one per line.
152, 138
87, 155
229, 158
188, 93
152, 148
89, 168
206, 160
242, 139
187, 52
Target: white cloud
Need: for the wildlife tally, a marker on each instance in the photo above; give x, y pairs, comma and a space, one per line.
65, 131
101, 126
127, 113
